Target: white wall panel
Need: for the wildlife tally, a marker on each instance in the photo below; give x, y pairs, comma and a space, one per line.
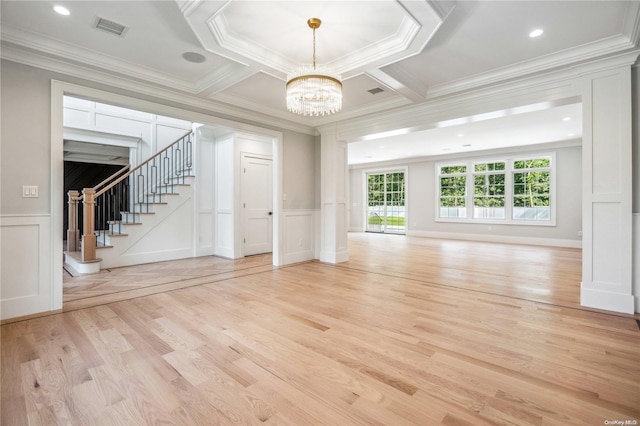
204, 199
334, 196
607, 192
224, 234
607, 152
166, 135
25, 267
76, 118
606, 235
205, 234
299, 235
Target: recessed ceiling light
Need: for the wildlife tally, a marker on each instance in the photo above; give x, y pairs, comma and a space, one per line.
61, 10
381, 146
571, 134
536, 33
194, 57
460, 135
566, 119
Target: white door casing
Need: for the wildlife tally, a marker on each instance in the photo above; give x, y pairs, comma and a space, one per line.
257, 204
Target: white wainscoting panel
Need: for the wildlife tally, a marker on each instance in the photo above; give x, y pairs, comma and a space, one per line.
299, 235
224, 234
205, 234
25, 265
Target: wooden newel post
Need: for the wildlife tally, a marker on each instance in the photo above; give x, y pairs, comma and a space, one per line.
89, 235
73, 233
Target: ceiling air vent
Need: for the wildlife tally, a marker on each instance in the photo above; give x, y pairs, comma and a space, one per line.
375, 90
111, 27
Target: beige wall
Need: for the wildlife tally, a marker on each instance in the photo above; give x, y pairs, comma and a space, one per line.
421, 199
299, 175
25, 139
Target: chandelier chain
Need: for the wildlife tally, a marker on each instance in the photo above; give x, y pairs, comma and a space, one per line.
314, 49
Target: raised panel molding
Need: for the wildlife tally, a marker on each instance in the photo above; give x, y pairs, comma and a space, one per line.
299, 235
25, 265
607, 266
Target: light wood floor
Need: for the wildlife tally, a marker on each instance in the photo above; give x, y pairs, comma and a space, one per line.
409, 331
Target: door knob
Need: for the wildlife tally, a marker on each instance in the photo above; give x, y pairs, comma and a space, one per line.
270, 213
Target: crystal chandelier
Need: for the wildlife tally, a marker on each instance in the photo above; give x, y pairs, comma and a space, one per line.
312, 91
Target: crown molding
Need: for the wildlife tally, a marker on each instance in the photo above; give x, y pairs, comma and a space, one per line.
85, 73
223, 78
632, 23
74, 53
526, 69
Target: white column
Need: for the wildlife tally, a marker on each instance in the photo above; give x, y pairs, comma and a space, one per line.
607, 191
334, 198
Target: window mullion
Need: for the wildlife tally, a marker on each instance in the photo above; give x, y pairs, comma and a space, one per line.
508, 191
471, 190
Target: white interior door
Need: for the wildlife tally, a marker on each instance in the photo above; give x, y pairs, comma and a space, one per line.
257, 204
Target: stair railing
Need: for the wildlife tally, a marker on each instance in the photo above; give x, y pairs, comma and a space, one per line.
123, 197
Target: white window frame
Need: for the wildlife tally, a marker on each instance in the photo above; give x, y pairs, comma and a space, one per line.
509, 198
439, 175
365, 192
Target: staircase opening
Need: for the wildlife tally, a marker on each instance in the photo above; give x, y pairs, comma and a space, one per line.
127, 139
83, 175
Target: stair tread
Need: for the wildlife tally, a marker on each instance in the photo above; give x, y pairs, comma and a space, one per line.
117, 222
152, 202
112, 234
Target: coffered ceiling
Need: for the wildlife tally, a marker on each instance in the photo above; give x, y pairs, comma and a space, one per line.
235, 54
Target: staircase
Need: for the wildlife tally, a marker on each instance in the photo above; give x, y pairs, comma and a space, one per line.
136, 216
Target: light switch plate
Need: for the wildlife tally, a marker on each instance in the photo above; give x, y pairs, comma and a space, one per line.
29, 191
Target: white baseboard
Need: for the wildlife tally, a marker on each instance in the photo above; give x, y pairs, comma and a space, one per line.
552, 242
599, 299
331, 257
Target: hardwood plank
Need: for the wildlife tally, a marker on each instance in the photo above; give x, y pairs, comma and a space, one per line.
409, 331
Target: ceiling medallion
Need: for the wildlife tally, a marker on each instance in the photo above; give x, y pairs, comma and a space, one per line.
312, 91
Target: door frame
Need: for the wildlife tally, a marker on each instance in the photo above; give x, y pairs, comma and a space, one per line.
61, 88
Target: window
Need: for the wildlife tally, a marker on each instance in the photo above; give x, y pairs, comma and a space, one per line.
531, 189
489, 195
453, 191
386, 202
513, 191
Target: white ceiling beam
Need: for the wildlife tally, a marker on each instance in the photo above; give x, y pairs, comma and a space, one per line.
400, 81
